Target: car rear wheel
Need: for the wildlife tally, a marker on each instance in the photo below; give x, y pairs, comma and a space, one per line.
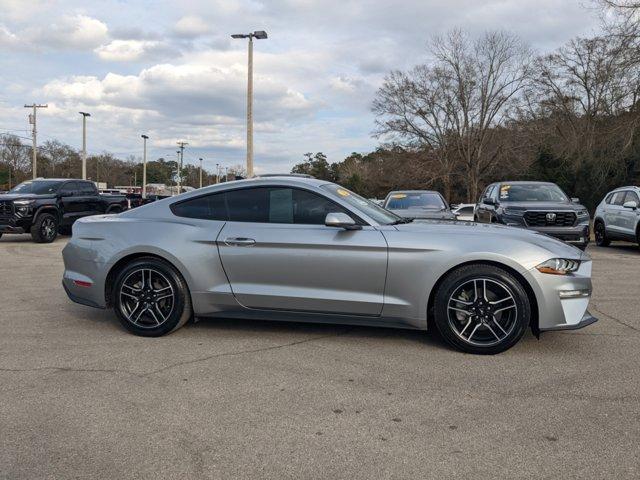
600, 232
481, 309
45, 228
151, 298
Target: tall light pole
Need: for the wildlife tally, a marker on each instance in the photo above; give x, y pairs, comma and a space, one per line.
181, 153
200, 173
84, 143
144, 166
34, 132
217, 173
260, 35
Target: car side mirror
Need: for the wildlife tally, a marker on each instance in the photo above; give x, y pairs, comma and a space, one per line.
630, 204
488, 201
575, 199
341, 220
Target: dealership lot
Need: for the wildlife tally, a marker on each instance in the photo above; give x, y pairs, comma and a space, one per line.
238, 399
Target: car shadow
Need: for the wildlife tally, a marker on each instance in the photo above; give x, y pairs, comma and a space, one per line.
209, 324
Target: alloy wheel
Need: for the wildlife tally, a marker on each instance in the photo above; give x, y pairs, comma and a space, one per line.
482, 311
48, 228
147, 298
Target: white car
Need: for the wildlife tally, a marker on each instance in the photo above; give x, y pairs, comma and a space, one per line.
464, 211
618, 217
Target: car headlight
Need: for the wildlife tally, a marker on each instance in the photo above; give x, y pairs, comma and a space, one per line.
583, 213
22, 203
559, 266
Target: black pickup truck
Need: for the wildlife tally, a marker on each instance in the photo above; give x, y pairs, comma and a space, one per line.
44, 207
541, 206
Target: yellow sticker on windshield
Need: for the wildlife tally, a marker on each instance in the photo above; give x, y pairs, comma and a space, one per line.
399, 195
505, 187
342, 192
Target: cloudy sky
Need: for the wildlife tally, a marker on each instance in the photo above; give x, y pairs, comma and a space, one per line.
170, 69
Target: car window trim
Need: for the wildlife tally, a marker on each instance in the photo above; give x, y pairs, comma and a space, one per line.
358, 219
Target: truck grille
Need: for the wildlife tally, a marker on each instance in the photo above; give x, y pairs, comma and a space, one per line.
545, 219
6, 209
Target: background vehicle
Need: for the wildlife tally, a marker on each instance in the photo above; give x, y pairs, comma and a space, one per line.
221, 250
464, 211
418, 204
618, 217
540, 206
45, 206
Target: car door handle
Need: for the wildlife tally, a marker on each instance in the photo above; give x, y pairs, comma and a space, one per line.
239, 241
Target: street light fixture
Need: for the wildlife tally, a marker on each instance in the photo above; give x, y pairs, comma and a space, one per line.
144, 166
260, 35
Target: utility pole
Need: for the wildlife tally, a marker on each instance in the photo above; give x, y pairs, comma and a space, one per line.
217, 173
181, 153
260, 35
226, 174
144, 166
34, 132
200, 173
84, 143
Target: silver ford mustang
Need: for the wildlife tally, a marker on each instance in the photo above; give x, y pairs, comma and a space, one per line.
300, 249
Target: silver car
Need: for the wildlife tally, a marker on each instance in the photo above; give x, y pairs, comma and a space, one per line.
297, 249
618, 217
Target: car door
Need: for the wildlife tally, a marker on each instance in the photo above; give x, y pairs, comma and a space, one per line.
91, 199
613, 217
629, 216
482, 209
70, 202
279, 255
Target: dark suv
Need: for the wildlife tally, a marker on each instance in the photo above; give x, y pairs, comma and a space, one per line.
43, 207
540, 206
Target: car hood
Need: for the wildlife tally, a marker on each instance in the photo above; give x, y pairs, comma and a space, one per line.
486, 233
22, 196
418, 213
574, 207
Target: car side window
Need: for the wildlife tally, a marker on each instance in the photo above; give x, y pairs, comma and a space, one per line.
206, 207
88, 188
279, 205
631, 197
618, 198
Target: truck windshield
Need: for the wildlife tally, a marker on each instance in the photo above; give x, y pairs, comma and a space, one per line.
532, 192
39, 187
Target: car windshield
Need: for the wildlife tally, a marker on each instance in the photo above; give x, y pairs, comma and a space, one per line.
532, 192
379, 214
39, 187
411, 200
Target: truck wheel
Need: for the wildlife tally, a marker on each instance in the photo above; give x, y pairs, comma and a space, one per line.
45, 228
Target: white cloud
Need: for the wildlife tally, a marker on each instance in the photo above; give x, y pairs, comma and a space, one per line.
71, 31
191, 26
126, 50
7, 37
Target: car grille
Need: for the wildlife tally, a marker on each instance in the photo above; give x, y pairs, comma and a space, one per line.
545, 219
6, 209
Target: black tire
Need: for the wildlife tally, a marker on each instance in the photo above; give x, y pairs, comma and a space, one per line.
156, 315
489, 328
45, 228
600, 232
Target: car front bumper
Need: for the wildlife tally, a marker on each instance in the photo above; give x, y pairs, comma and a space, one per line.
576, 235
562, 300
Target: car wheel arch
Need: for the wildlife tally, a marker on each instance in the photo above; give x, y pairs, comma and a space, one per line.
127, 259
48, 209
534, 324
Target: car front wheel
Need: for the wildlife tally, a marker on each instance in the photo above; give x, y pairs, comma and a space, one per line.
600, 232
481, 309
151, 298
45, 228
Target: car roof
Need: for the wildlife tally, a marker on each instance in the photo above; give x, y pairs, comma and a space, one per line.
524, 182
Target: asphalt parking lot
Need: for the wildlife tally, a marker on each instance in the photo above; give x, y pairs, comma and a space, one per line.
80, 398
